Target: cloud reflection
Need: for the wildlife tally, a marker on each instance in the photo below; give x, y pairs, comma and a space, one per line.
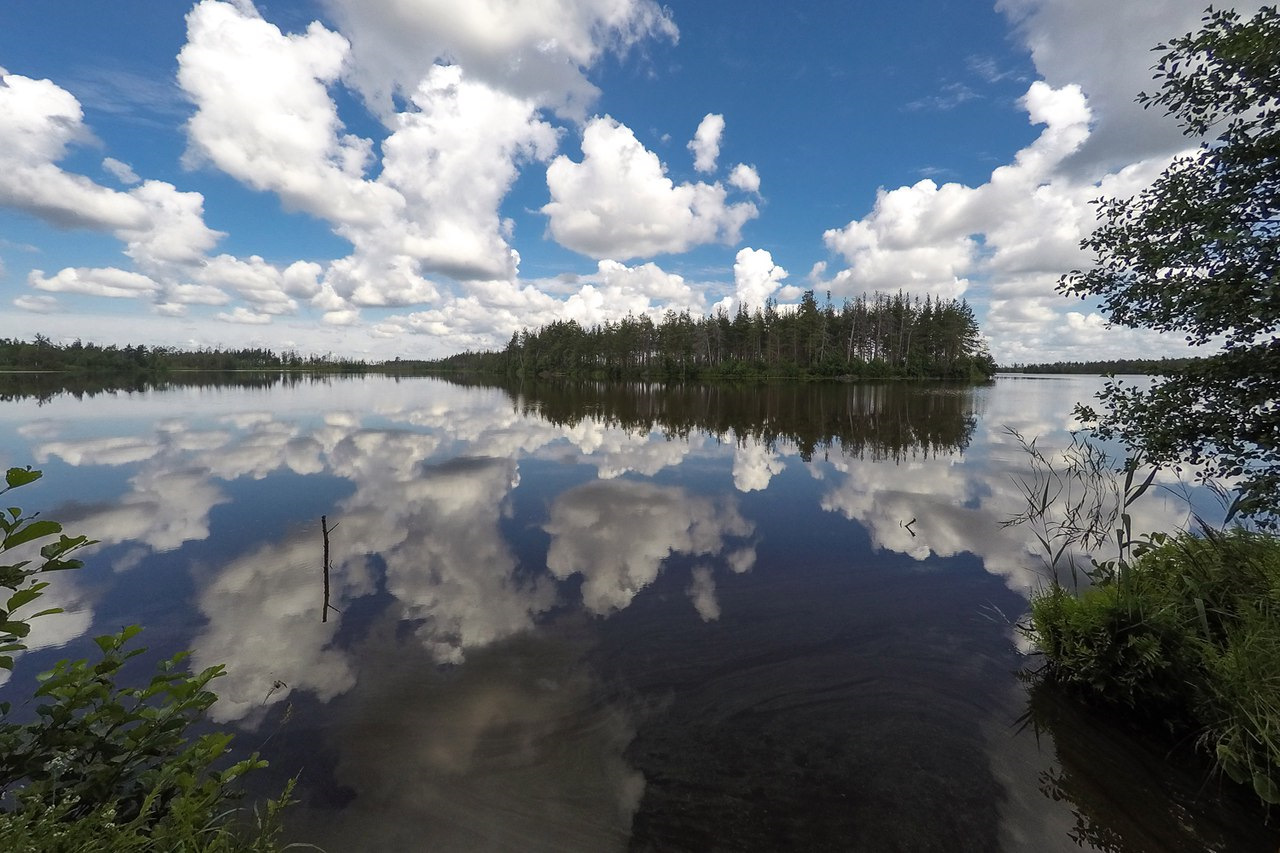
617, 533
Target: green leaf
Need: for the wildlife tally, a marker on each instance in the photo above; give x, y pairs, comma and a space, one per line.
16, 477
34, 530
24, 596
1266, 788
15, 628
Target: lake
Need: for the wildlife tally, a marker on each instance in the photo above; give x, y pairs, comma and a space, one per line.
593, 617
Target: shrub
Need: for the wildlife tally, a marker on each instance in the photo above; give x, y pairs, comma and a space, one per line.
106, 767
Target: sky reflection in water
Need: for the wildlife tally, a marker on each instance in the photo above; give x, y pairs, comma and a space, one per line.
583, 617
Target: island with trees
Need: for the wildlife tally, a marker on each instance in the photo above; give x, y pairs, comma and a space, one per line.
876, 336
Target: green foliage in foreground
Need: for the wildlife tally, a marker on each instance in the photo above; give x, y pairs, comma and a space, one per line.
1187, 632
105, 767
1198, 253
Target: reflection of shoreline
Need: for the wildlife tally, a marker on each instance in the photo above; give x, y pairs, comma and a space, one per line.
875, 420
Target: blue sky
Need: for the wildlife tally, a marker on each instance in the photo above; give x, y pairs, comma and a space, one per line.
417, 177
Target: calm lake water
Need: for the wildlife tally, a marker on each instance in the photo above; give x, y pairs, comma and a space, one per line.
608, 617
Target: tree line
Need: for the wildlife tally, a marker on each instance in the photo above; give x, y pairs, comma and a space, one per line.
1114, 366
43, 354
871, 336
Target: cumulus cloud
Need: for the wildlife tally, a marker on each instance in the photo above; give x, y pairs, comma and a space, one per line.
39, 121
487, 312
755, 277
618, 202
1013, 235
1104, 48
616, 534
108, 281
745, 178
265, 115
162, 228
453, 159
535, 49
705, 144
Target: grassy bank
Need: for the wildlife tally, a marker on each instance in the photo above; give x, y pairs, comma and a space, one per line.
1186, 634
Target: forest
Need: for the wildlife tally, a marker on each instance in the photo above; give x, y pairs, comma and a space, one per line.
868, 337
43, 354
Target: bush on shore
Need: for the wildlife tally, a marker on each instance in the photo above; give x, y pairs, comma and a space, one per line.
1188, 632
104, 766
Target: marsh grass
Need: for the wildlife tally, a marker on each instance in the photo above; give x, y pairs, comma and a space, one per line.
1187, 635
1182, 629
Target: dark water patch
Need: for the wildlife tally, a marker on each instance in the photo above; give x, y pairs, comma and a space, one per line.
831, 707
1131, 790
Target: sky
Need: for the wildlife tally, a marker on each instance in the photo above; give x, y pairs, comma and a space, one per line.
414, 178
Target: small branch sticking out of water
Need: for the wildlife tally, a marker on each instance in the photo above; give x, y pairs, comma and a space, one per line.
324, 527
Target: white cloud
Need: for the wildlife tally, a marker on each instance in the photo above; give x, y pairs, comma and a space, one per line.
619, 203
37, 304
256, 281
1105, 48
39, 121
451, 157
121, 171
534, 49
705, 144
106, 281
1013, 235
264, 114
755, 277
745, 178
243, 316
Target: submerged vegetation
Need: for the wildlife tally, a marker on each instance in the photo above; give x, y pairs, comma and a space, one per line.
876, 337
101, 766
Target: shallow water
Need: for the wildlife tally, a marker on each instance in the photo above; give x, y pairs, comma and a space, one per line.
608, 617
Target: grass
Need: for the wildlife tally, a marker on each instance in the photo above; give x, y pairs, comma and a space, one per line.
1186, 632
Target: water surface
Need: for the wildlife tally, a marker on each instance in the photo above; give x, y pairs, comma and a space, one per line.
588, 617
